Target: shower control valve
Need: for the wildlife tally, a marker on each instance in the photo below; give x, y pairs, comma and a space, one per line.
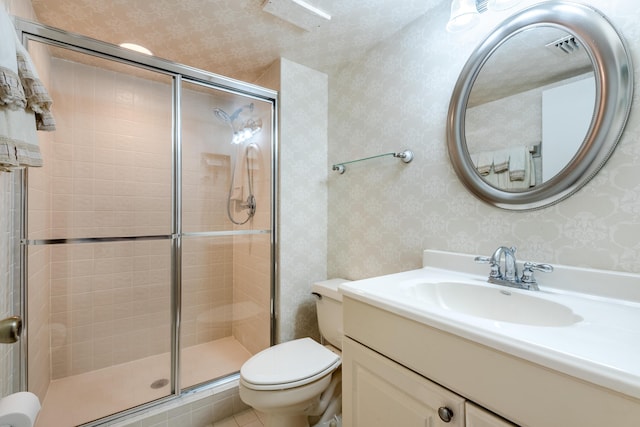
250, 204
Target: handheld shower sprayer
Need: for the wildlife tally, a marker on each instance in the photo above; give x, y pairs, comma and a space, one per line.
243, 130
246, 157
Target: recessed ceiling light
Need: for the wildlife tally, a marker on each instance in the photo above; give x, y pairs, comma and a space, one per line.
136, 47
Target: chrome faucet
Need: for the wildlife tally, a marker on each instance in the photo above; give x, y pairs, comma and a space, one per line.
510, 268
510, 276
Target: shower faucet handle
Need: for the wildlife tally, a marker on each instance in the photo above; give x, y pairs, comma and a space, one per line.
250, 204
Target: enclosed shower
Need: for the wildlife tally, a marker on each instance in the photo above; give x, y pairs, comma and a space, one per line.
148, 236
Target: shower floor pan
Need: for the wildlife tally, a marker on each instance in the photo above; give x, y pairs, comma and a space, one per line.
78, 399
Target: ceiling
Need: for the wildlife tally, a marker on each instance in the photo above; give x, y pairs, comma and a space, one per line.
235, 38
529, 60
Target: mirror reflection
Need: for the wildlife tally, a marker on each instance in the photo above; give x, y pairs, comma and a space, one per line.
530, 108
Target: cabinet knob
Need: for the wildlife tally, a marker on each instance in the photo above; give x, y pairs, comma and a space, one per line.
445, 414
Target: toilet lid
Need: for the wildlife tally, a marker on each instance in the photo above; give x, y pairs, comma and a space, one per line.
287, 365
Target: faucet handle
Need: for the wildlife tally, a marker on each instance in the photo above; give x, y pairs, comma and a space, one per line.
527, 273
495, 267
545, 268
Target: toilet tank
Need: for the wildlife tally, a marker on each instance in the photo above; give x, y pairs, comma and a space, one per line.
329, 309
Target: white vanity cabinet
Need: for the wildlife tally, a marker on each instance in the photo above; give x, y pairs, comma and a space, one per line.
475, 416
377, 392
399, 372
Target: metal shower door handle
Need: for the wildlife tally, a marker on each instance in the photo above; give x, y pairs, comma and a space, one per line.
10, 329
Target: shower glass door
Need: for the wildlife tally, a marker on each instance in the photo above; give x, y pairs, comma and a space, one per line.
226, 223
147, 240
99, 239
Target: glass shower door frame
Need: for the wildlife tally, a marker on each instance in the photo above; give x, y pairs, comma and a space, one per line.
51, 36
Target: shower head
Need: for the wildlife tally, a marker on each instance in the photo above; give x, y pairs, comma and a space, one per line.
242, 130
226, 118
236, 113
222, 115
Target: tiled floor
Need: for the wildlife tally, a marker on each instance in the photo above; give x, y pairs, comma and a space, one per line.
248, 418
106, 391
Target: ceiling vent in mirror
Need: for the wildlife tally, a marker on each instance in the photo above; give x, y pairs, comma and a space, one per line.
565, 46
297, 12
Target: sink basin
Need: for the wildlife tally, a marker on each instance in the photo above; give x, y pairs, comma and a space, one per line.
503, 305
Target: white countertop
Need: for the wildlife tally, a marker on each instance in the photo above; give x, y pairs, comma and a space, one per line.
603, 348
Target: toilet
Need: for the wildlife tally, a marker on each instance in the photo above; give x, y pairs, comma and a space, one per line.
298, 383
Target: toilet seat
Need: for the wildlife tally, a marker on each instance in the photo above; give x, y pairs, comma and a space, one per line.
288, 365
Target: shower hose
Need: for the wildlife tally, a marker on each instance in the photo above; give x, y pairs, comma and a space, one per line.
250, 203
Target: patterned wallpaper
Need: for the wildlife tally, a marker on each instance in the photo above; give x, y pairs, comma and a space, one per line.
526, 131
383, 213
302, 251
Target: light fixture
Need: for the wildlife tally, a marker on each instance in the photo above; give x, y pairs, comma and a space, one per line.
136, 47
242, 130
501, 4
464, 15
297, 12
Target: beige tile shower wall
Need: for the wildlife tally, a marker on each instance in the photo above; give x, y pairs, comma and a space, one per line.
110, 176
112, 153
383, 214
252, 291
206, 160
110, 304
207, 289
252, 254
226, 286
207, 263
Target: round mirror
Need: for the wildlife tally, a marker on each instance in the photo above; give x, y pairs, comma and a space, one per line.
539, 106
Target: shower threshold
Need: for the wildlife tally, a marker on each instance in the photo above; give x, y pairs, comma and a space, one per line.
78, 399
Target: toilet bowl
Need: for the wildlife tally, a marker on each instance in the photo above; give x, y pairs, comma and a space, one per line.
300, 380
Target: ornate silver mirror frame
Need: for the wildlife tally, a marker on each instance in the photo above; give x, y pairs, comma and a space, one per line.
613, 73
